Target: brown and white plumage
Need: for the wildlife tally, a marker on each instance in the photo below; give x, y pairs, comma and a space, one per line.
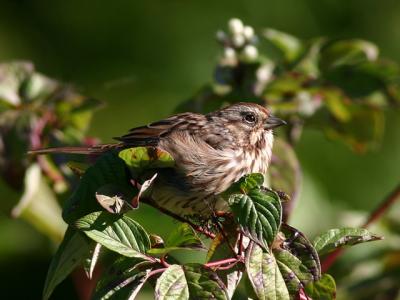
210, 151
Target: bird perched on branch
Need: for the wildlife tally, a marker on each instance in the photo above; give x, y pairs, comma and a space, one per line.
211, 152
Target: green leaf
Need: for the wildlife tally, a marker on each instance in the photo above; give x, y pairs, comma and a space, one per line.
109, 169
172, 284
265, 276
347, 52
91, 260
182, 237
246, 184
337, 103
336, 238
297, 245
69, 255
117, 233
290, 46
123, 279
259, 214
145, 158
232, 281
323, 289
280, 273
204, 283
143, 191
364, 129
189, 282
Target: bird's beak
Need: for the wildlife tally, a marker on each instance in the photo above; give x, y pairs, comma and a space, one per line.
273, 122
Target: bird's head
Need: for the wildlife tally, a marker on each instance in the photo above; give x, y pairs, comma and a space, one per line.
247, 122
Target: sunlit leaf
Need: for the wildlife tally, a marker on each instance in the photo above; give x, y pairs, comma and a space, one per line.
72, 251
323, 289
232, 281
189, 282
113, 199
117, 233
145, 158
259, 214
182, 237
265, 276
339, 237
337, 103
279, 274
91, 260
246, 183
215, 245
143, 190
172, 284
122, 280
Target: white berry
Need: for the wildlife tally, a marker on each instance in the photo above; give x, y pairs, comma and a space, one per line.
250, 52
235, 26
248, 32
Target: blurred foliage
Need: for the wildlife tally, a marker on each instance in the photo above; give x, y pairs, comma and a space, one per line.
338, 86
351, 93
37, 112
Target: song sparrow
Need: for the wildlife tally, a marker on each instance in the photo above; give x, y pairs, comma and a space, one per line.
211, 152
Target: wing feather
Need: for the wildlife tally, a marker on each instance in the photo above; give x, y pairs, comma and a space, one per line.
150, 134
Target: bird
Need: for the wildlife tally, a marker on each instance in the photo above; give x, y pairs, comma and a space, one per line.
211, 152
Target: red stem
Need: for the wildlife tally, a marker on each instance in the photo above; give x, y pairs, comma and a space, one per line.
230, 266
240, 244
377, 213
155, 272
383, 207
218, 263
164, 262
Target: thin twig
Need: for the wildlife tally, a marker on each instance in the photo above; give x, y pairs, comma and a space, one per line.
164, 262
230, 266
240, 243
221, 229
377, 213
218, 263
154, 272
179, 218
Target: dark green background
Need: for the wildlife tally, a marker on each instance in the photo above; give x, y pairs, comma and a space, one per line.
144, 57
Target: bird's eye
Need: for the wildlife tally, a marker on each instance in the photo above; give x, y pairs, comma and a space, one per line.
250, 118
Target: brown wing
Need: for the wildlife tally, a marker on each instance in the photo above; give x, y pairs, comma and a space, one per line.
150, 135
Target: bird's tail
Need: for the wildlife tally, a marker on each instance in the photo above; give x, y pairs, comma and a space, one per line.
95, 150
